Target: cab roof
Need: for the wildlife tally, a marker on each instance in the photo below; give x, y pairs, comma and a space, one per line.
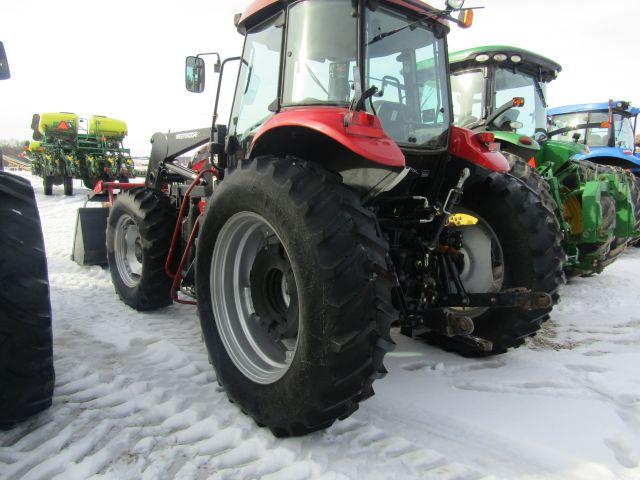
530, 61
591, 107
261, 10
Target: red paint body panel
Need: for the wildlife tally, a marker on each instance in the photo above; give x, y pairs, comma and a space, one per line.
258, 5
465, 144
364, 137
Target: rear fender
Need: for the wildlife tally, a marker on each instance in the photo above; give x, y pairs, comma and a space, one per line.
613, 157
359, 150
464, 144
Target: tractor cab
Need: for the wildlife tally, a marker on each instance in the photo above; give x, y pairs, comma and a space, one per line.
502, 89
607, 129
339, 76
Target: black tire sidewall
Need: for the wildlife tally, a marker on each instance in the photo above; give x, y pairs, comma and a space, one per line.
523, 262
279, 211
152, 282
326, 380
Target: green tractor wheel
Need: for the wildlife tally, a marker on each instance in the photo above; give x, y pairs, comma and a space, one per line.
572, 209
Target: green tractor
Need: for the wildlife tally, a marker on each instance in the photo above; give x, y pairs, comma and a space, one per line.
63, 150
502, 90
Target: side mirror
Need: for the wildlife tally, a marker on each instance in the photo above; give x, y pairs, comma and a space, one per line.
194, 74
540, 135
4, 64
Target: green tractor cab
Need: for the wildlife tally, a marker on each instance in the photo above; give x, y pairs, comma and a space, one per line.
502, 90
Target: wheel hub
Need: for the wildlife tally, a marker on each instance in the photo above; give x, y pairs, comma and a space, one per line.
128, 251
481, 263
273, 301
254, 298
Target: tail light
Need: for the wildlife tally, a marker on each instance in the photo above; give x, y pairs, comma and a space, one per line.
526, 141
532, 161
488, 139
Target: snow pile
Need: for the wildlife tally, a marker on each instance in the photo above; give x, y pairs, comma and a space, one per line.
137, 398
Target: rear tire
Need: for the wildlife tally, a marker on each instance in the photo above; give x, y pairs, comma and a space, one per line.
618, 245
338, 261
530, 176
634, 182
589, 171
139, 232
26, 349
68, 186
530, 239
47, 183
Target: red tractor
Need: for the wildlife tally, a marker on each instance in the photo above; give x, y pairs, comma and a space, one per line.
337, 201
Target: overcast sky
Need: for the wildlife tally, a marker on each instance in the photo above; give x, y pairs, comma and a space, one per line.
125, 58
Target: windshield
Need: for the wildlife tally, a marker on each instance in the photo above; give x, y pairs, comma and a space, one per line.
593, 129
321, 53
533, 115
467, 91
407, 65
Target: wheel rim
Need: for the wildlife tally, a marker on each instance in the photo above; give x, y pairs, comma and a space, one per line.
254, 298
128, 250
482, 269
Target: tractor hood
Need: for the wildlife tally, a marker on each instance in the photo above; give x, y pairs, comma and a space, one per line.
559, 152
517, 140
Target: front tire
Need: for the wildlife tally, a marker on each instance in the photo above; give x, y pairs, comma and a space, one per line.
26, 349
139, 232
528, 239
287, 218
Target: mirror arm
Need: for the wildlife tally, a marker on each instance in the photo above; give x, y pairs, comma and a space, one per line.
217, 65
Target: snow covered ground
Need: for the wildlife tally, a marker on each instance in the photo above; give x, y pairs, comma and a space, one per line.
137, 398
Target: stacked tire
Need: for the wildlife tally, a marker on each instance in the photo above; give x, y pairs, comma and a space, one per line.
26, 351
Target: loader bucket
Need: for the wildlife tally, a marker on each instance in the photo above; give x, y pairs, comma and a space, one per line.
90, 239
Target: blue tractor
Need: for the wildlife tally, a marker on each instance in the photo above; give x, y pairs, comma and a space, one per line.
608, 130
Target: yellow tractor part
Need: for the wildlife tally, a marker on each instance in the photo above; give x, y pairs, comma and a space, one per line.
572, 210
58, 122
462, 220
107, 127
